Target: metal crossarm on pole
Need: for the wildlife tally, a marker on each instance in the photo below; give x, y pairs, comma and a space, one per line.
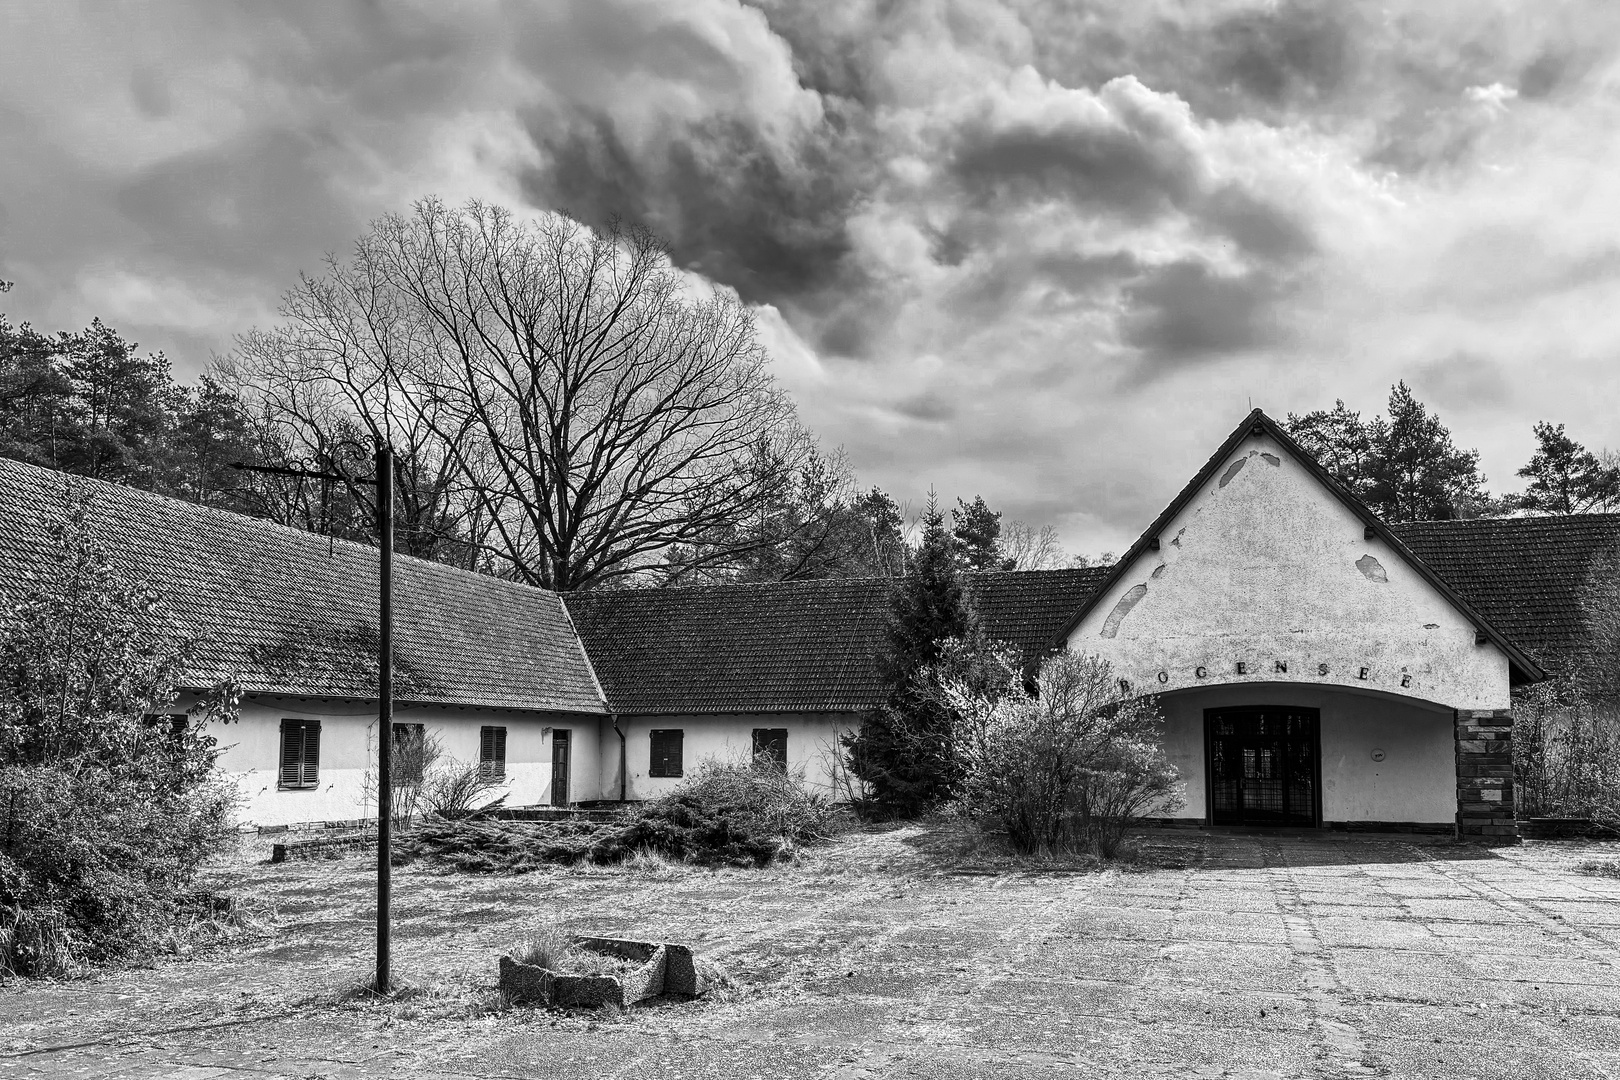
384, 482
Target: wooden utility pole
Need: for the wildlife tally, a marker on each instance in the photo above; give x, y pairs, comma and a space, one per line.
384, 481
385, 712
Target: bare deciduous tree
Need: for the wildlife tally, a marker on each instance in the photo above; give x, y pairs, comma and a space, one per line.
575, 409
1024, 547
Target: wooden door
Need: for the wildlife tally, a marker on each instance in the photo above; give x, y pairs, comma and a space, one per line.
1263, 765
561, 755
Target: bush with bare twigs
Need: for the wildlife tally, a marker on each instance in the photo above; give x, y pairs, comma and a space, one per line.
1070, 766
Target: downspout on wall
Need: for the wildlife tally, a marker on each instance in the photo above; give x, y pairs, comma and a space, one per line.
623, 758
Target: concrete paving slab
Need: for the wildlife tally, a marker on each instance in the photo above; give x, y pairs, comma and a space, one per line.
1368, 956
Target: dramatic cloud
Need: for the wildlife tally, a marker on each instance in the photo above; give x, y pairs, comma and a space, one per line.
1045, 252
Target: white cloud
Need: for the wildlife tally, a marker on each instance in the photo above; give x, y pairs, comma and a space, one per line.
1047, 253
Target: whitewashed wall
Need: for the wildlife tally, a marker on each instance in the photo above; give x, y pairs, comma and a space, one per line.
1265, 577
812, 744
252, 753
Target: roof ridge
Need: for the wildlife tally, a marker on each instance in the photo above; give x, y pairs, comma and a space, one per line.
1522, 520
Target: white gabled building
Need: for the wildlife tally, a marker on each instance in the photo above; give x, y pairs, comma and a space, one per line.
1317, 668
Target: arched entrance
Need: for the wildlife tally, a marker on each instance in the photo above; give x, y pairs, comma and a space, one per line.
1306, 755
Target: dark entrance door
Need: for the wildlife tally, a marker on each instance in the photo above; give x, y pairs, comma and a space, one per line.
1263, 765
561, 752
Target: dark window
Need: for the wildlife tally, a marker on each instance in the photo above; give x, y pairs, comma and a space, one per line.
410, 748
666, 752
175, 722
300, 753
492, 752
770, 744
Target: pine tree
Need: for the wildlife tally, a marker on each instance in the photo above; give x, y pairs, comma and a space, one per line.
904, 751
1404, 467
1565, 477
976, 534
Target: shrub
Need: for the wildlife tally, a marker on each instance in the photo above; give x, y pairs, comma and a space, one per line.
508, 847
108, 801
1566, 758
726, 814
740, 813
1072, 763
454, 788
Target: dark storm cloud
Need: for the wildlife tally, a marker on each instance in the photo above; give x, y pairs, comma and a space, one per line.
1101, 167
729, 208
1185, 311
227, 206
1286, 53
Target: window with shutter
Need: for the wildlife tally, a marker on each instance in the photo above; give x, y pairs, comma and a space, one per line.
492, 752
300, 753
770, 744
410, 753
666, 752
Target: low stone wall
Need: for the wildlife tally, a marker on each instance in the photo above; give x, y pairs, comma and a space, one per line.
1485, 777
322, 847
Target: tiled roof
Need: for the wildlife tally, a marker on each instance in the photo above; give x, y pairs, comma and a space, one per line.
808, 646
1523, 574
1029, 608
285, 611
794, 647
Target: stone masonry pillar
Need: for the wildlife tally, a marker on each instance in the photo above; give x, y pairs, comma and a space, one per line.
1485, 776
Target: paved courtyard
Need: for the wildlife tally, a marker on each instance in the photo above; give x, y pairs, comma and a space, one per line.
1242, 955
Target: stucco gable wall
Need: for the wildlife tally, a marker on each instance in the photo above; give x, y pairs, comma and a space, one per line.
1265, 567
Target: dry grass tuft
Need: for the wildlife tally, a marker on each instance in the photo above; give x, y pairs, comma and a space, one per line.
648, 862
554, 949
547, 949
1600, 868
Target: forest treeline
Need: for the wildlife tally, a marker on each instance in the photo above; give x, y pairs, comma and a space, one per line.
566, 412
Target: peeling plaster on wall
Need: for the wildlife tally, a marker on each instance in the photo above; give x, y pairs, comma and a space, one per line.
1158, 571
1372, 568
1177, 541
1122, 609
1431, 626
1271, 459
1280, 581
1232, 470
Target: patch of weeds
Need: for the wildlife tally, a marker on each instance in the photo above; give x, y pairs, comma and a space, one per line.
490, 1003
36, 940
554, 949
1600, 868
652, 864
546, 949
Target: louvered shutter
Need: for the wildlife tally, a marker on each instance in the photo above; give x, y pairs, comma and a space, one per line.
312, 752
666, 748
492, 751
292, 753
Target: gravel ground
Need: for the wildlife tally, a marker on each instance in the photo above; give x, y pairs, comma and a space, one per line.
898, 954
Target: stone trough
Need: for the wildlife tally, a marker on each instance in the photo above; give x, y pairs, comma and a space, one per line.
665, 969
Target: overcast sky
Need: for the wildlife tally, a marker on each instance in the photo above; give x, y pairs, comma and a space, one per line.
1047, 252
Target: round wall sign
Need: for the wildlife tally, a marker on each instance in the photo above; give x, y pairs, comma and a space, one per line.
1378, 755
